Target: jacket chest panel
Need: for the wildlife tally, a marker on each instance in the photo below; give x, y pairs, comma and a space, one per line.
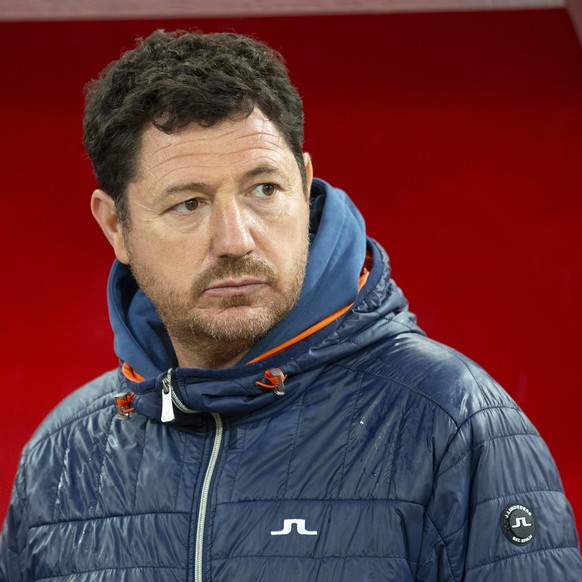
345, 440
326, 540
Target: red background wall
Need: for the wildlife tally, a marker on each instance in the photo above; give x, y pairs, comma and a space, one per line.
458, 135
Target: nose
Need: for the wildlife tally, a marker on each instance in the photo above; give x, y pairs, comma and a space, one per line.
230, 226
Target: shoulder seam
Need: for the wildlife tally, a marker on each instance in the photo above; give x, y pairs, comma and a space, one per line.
100, 403
409, 387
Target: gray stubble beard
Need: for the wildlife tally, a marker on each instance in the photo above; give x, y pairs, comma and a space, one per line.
216, 339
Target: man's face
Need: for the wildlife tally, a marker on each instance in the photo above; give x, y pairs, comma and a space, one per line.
218, 230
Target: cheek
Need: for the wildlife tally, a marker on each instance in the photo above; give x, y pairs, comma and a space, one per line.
175, 259
292, 247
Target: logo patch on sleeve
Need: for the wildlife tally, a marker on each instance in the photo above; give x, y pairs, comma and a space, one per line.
518, 524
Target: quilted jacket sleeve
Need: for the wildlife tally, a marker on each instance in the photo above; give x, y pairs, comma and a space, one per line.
495, 464
13, 536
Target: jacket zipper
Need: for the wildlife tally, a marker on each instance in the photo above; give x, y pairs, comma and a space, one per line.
204, 498
169, 400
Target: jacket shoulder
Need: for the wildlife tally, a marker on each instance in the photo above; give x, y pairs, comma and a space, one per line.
437, 374
90, 399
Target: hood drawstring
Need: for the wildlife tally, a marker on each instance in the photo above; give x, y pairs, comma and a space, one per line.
123, 403
277, 378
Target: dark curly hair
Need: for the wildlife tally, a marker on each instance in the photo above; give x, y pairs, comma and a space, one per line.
173, 79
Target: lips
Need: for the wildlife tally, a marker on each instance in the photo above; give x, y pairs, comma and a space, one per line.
234, 287
234, 277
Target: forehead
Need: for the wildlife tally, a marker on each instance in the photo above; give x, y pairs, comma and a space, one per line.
232, 144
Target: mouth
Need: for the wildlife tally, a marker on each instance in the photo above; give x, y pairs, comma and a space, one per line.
234, 287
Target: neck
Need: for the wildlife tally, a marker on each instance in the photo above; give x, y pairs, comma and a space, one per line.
209, 354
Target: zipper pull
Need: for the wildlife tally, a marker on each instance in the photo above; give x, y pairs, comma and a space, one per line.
167, 405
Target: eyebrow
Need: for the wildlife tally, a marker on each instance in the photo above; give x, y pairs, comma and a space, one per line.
261, 171
206, 188
187, 187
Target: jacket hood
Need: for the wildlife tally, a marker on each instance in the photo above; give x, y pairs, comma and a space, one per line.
338, 248
336, 255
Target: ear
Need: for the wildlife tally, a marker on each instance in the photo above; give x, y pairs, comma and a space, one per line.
103, 209
308, 171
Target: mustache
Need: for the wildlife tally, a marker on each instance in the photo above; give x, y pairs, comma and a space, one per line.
233, 267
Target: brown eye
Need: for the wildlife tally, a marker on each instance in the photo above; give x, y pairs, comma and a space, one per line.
191, 204
187, 206
265, 190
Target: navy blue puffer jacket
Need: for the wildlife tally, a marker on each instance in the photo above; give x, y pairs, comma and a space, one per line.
389, 457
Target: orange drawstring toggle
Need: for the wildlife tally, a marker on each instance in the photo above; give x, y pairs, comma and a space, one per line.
277, 381
123, 403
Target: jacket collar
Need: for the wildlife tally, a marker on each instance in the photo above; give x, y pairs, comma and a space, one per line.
380, 310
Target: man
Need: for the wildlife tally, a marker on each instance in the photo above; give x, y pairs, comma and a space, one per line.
277, 414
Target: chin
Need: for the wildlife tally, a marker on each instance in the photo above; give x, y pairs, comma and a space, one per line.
240, 323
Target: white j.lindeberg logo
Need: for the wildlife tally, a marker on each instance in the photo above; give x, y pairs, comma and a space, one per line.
520, 522
288, 528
